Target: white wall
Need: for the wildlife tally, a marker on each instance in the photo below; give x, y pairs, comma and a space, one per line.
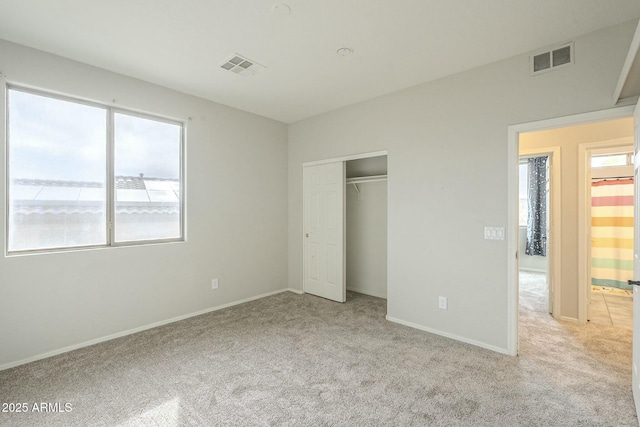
447, 154
236, 223
366, 236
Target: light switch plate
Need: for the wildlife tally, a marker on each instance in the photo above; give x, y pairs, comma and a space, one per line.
494, 233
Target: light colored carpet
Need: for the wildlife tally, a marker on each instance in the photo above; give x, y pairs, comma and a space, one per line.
300, 360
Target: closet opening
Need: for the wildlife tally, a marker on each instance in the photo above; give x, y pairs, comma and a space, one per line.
366, 226
344, 210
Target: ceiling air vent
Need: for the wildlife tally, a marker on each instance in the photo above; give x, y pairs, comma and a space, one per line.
559, 57
240, 65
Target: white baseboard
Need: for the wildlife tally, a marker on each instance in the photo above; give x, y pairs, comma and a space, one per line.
533, 270
568, 319
295, 291
367, 292
448, 335
136, 330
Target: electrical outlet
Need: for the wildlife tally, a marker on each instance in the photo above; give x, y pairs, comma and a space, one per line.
214, 284
442, 303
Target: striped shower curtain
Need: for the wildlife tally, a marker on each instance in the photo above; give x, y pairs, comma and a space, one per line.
612, 233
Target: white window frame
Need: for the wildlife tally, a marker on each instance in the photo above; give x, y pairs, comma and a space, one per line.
110, 173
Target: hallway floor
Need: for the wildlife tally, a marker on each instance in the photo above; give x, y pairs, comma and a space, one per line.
609, 306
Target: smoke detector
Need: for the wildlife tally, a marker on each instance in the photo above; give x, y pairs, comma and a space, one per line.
282, 9
240, 65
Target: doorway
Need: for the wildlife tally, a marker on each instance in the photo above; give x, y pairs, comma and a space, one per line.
536, 247
609, 216
566, 305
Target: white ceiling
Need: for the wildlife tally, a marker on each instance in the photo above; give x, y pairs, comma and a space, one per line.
396, 44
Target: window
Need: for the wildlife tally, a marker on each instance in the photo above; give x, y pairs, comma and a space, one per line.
608, 160
147, 179
523, 194
60, 191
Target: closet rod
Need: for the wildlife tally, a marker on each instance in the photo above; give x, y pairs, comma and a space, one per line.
362, 179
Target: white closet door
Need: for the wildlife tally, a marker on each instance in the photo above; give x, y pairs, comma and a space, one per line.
324, 241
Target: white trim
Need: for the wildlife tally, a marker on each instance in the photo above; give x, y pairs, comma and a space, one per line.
582, 118
533, 270
448, 335
347, 158
367, 292
628, 63
4, 99
295, 291
554, 265
136, 330
584, 215
568, 319
513, 231
513, 133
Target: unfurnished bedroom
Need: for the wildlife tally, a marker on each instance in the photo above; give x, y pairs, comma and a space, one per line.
319, 213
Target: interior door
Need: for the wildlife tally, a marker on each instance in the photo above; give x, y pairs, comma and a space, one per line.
636, 262
324, 236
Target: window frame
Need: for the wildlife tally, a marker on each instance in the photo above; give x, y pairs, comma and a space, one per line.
110, 182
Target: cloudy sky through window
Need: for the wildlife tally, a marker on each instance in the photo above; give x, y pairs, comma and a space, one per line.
54, 139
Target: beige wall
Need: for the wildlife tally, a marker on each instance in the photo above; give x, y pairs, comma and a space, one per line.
236, 219
568, 139
448, 165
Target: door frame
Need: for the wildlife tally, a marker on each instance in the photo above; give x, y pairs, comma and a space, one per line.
584, 219
513, 136
635, 355
342, 159
554, 267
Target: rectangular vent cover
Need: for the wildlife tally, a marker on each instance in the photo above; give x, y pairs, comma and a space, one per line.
241, 65
559, 57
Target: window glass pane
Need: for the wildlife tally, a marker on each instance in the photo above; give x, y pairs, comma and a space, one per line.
609, 160
523, 194
147, 179
57, 170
